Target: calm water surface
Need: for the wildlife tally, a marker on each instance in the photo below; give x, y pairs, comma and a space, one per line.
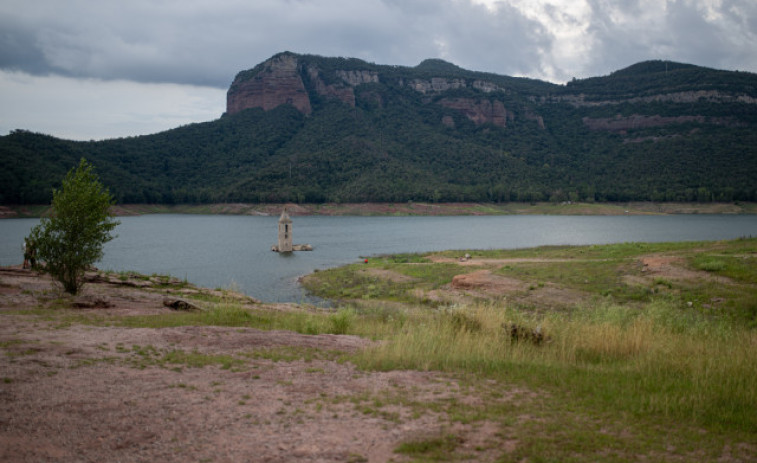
219, 251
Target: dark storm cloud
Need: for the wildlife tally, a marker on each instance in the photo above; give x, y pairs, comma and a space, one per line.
207, 43
17, 50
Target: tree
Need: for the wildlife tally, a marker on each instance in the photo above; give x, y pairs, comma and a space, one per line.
72, 238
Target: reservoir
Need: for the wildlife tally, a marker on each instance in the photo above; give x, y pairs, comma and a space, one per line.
219, 251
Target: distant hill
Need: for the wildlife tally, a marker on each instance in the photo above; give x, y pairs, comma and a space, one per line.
303, 128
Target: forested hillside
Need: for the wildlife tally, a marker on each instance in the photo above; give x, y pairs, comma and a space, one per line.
343, 130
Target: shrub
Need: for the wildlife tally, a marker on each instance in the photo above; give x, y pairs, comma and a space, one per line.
72, 238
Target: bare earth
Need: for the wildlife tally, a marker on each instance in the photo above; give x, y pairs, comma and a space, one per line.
412, 208
78, 392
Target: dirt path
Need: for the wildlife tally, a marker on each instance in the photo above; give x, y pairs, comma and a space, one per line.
486, 262
78, 392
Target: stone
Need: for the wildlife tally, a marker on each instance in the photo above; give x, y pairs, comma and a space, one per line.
91, 302
181, 304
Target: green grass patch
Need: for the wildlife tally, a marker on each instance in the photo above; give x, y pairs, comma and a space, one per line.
356, 282
440, 448
147, 356
740, 268
600, 251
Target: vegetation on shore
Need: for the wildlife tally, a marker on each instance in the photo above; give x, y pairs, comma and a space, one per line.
642, 349
71, 239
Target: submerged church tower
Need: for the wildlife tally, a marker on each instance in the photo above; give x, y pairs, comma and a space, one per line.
285, 232
285, 236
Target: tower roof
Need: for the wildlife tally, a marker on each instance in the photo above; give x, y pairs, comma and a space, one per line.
284, 217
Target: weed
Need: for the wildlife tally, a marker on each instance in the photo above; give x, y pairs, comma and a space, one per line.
341, 321
431, 449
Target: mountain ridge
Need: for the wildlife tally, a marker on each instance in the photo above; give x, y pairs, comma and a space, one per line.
307, 128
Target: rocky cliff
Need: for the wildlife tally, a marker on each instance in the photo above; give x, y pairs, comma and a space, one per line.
293, 79
480, 111
277, 82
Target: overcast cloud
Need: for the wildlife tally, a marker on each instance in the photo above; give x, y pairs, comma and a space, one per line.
85, 69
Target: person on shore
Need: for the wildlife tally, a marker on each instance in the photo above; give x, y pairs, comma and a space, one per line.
26, 254
32, 250
30, 254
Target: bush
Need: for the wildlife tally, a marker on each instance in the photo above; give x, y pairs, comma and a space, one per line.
72, 238
341, 321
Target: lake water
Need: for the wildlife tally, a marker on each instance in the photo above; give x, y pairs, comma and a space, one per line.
221, 250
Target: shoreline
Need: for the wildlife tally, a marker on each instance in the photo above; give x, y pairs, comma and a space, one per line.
409, 209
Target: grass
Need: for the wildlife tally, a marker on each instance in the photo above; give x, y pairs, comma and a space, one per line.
438, 448
660, 350
664, 367
145, 356
356, 282
654, 362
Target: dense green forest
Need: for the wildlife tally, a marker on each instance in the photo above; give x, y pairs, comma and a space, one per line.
696, 142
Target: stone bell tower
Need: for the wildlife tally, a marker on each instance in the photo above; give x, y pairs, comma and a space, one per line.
285, 232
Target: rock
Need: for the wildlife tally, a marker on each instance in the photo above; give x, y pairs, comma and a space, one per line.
355, 78
91, 302
521, 333
465, 281
436, 85
340, 91
136, 283
181, 304
295, 247
277, 82
480, 111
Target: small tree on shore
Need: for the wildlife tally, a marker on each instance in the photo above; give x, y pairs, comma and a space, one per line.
72, 238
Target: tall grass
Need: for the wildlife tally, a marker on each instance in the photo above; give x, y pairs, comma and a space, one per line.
657, 360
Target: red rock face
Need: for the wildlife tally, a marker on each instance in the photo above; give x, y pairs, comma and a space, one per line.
340, 92
278, 83
480, 112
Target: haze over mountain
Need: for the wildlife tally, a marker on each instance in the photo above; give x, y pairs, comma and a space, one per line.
306, 128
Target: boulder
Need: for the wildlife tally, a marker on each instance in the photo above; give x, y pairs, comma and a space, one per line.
181, 304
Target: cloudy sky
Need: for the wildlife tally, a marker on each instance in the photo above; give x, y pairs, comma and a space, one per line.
94, 69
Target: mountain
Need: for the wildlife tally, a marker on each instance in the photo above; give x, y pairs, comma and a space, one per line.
306, 128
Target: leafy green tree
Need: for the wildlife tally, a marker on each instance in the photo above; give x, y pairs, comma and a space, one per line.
72, 238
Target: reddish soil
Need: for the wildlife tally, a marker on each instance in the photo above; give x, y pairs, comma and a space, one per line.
76, 391
484, 284
673, 268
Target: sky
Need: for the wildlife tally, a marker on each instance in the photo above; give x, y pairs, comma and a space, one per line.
97, 69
